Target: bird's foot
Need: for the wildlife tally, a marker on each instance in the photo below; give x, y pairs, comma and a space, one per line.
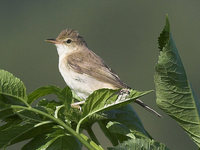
124, 91
77, 105
123, 94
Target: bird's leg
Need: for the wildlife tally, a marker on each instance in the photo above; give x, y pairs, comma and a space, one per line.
123, 93
77, 105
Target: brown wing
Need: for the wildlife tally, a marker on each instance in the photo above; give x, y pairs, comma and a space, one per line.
87, 62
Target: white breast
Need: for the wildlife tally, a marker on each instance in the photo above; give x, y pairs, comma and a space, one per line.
82, 84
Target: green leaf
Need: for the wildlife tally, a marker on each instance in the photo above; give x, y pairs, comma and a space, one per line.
173, 91
56, 109
50, 106
59, 122
12, 90
36, 143
32, 116
64, 143
58, 141
45, 106
164, 36
73, 115
6, 112
125, 122
38, 129
9, 134
20, 132
66, 96
106, 99
43, 91
139, 144
122, 124
93, 144
118, 128
9, 123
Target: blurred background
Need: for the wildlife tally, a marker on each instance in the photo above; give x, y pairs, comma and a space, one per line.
123, 32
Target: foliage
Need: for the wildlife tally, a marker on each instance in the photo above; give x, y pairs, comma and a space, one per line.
173, 90
53, 124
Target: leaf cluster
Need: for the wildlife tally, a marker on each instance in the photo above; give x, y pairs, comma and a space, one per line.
54, 124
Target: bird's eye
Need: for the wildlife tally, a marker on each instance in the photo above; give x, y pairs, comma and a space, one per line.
69, 41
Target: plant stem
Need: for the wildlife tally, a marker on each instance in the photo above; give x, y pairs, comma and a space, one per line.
79, 124
92, 135
58, 121
112, 139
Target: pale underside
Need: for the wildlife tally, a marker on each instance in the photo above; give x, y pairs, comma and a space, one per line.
85, 72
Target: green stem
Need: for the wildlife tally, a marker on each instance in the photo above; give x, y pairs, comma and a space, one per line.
92, 135
58, 121
79, 124
112, 139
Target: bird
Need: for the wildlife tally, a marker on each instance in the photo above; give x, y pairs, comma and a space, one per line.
83, 70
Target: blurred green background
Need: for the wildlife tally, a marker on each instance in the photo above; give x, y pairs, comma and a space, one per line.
123, 32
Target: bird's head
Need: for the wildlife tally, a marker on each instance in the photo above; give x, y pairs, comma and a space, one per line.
68, 41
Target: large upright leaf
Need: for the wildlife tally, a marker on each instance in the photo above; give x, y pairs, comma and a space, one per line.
173, 91
107, 99
12, 89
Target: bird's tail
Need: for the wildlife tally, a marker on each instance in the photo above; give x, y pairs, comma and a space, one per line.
139, 102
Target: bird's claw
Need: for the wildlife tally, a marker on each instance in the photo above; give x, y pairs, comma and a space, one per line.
77, 105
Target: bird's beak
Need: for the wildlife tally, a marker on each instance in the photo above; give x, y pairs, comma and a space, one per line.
54, 41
